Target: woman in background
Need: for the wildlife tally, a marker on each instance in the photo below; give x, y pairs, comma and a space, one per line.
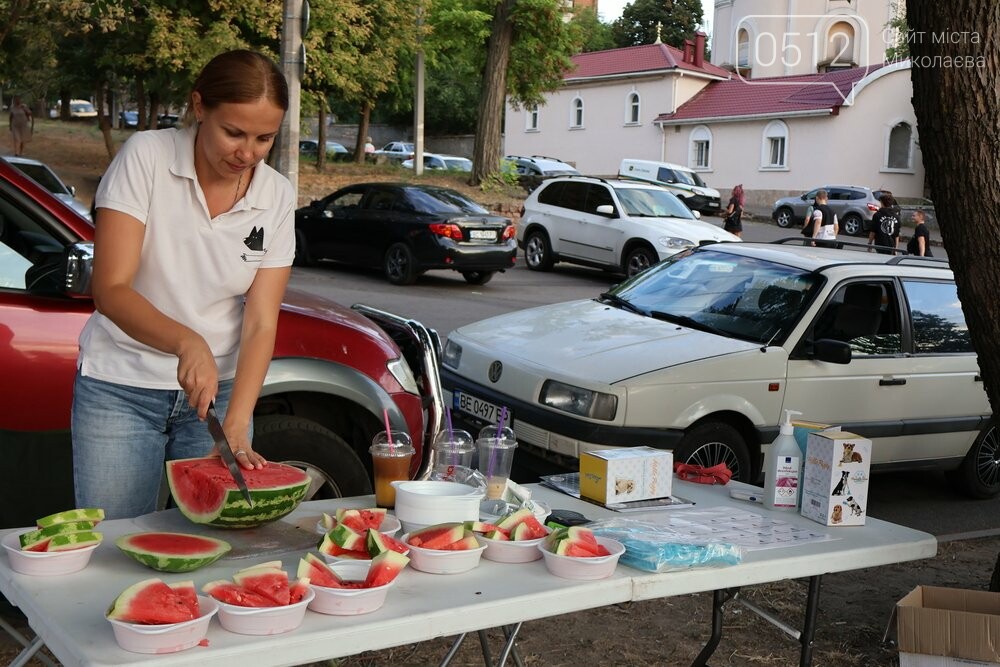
733, 222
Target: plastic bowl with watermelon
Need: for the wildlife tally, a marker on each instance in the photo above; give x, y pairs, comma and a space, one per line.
264, 620
46, 563
360, 520
350, 601
581, 555
167, 637
447, 548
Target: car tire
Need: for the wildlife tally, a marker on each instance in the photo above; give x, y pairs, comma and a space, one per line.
302, 255
638, 259
399, 265
979, 474
852, 224
711, 443
478, 277
784, 217
335, 468
538, 251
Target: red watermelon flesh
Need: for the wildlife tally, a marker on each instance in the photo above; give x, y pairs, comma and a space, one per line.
317, 572
581, 534
384, 568
361, 520
270, 582
464, 544
185, 589
298, 590
529, 529
435, 537
331, 548
150, 602
230, 593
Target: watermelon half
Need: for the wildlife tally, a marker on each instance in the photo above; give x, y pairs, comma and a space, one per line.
206, 492
172, 552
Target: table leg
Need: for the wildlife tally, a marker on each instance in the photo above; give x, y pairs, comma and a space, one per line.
30, 647
510, 646
809, 625
452, 651
485, 644
719, 599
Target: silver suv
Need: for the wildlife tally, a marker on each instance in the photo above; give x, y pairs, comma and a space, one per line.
619, 225
854, 206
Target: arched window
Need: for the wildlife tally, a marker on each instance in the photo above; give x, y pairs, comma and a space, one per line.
632, 109
840, 45
743, 49
899, 154
531, 119
774, 146
576, 119
701, 148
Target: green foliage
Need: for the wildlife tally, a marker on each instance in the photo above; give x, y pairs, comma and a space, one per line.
637, 24
899, 49
594, 35
541, 50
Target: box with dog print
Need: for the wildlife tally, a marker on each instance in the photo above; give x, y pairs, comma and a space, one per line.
835, 478
626, 474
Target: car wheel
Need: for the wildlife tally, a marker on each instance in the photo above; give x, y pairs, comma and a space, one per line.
538, 251
334, 468
638, 260
784, 218
979, 474
302, 256
712, 443
399, 265
478, 277
852, 224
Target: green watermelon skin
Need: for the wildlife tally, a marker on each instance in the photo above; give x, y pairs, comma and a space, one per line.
172, 552
206, 493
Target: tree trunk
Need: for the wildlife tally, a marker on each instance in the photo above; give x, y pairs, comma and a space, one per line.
321, 135
104, 119
957, 106
489, 124
140, 98
359, 146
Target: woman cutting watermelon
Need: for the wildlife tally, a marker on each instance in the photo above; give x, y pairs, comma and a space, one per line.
193, 248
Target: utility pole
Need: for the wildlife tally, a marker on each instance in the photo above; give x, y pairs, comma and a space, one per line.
418, 98
293, 57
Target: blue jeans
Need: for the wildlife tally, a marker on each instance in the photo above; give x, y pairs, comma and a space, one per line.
122, 436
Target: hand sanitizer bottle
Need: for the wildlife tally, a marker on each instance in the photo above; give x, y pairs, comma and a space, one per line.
783, 468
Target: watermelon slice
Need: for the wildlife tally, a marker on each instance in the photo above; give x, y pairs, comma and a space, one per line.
77, 540
318, 573
298, 590
377, 543
480, 526
348, 538
385, 567
172, 552
38, 539
205, 492
187, 592
330, 548
150, 602
511, 520
466, 543
230, 593
267, 580
435, 537
92, 514
529, 529
498, 535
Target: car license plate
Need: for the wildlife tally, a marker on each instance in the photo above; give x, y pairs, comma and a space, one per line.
483, 234
479, 408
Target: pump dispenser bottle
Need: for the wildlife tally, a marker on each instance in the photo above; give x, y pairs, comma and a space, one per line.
783, 469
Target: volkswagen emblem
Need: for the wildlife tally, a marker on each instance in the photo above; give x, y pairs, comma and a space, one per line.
496, 370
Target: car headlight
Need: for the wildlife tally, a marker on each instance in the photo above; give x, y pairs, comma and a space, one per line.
578, 401
404, 376
452, 354
676, 243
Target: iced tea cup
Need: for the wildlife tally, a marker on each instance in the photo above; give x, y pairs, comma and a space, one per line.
496, 454
452, 449
391, 455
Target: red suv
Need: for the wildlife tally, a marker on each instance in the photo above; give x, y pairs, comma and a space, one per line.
333, 373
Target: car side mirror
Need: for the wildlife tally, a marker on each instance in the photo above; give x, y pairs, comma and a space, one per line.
605, 209
831, 351
327, 213
78, 268
72, 190
696, 214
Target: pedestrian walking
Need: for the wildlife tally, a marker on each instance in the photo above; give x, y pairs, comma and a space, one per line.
733, 222
920, 243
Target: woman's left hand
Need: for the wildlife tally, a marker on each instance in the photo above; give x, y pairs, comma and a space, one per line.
242, 449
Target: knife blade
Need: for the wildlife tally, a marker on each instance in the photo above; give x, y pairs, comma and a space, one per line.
222, 444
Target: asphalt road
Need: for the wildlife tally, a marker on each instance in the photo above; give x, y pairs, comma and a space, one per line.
444, 301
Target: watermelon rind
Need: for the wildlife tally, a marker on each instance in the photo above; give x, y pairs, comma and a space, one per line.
170, 561
42, 534
77, 540
200, 482
83, 514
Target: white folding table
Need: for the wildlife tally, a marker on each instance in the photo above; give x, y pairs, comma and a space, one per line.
67, 612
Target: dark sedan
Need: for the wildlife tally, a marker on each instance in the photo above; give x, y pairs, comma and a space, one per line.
405, 230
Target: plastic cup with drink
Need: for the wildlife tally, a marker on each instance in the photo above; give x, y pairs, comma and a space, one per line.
391, 454
496, 455
453, 449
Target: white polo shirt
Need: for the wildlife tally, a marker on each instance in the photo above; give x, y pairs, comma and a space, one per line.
193, 268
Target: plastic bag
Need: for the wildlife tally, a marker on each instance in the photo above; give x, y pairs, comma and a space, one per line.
443, 472
656, 547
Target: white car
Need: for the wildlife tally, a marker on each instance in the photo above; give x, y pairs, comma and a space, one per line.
48, 180
619, 225
396, 151
441, 162
701, 354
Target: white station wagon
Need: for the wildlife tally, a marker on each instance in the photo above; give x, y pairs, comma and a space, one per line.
701, 353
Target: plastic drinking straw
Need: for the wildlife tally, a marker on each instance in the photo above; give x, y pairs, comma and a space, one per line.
453, 458
499, 440
388, 431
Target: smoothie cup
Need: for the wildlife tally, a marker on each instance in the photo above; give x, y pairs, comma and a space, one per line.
391, 454
452, 449
496, 454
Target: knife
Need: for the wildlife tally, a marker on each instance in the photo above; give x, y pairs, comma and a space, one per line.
222, 444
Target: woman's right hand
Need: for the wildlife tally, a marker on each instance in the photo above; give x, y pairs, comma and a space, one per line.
197, 373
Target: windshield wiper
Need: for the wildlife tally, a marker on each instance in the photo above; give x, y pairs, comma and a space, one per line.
622, 303
686, 321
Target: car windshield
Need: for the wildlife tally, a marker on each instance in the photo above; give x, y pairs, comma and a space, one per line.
460, 164
44, 176
697, 180
444, 201
652, 202
729, 295
686, 177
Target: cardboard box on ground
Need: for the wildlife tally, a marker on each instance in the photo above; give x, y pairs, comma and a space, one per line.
626, 474
948, 627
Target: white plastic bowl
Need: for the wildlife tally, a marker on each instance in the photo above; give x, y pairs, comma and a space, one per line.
511, 551
43, 563
264, 620
168, 638
441, 561
330, 560
349, 601
594, 567
390, 526
423, 503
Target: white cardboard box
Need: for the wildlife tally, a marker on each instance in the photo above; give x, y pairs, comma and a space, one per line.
835, 478
948, 627
625, 474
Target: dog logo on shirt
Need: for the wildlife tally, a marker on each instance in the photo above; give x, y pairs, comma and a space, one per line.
255, 242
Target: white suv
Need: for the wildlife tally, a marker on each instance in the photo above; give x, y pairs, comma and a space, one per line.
620, 225
701, 354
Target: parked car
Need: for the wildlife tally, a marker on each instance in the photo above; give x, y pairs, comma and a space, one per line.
48, 180
441, 162
618, 225
165, 120
396, 151
78, 109
701, 354
531, 171
854, 206
333, 373
129, 119
678, 179
405, 230
334, 151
